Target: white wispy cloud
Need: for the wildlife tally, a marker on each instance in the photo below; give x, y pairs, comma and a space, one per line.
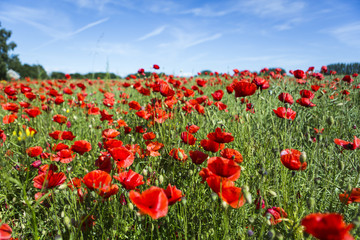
68, 35
153, 33
188, 38
348, 34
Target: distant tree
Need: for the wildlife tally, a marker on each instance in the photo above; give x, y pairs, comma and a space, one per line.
274, 70
205, 72
57, 75
5, 48
344, 68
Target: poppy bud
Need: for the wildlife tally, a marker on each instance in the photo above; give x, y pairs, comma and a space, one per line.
67, 221
181, 156
130, 206
145, 172
63, 186
272, 193
311, 203
224, 204
271, 234
330, 120
214, 196
183, 200
161, 179
341, 165
303, 157
349, 188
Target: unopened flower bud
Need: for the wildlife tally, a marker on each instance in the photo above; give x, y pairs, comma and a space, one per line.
272, 193
311, 203
303, 157
130, 206
161, 179
330, 120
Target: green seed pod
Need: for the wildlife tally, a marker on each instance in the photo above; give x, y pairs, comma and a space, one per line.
145, 172
303, 157
349, 188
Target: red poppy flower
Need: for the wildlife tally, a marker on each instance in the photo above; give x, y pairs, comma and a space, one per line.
348, 145
290, 158
198, 157
188, 138
61, 119
220, 136
315, 88
123, 157
229, 89
94, 111
110, 133
149, 136
226, 191
243, 89
218, 95
178, 154
286, 98
307, 94
49, 180
105, 116
277, 214
81, 147
59, 100
5, 231
100, 182
173, 194
282, 112
305, 102
2, 136
32, 112
112, 143
155, 66
67, 135
10, 91
64, 156
34, 151
232, 154
326, 226
166, 90
224, 167
299, 74
9, 119
13, 107
59, 146
210, 145
152, 202
353, 197
130, 180
192, 128
134, 105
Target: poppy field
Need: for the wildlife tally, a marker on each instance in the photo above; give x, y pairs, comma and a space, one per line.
213, 156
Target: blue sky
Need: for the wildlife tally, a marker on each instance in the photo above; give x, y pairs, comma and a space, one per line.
182, 37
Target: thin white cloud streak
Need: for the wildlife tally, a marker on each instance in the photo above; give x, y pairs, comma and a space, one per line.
90, 25
203, 40
154, 33
71, 34
348, 34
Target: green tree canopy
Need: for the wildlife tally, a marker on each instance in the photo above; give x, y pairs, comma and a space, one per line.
5, 48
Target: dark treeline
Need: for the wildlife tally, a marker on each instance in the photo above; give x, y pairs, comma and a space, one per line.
96, 75
344, 68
